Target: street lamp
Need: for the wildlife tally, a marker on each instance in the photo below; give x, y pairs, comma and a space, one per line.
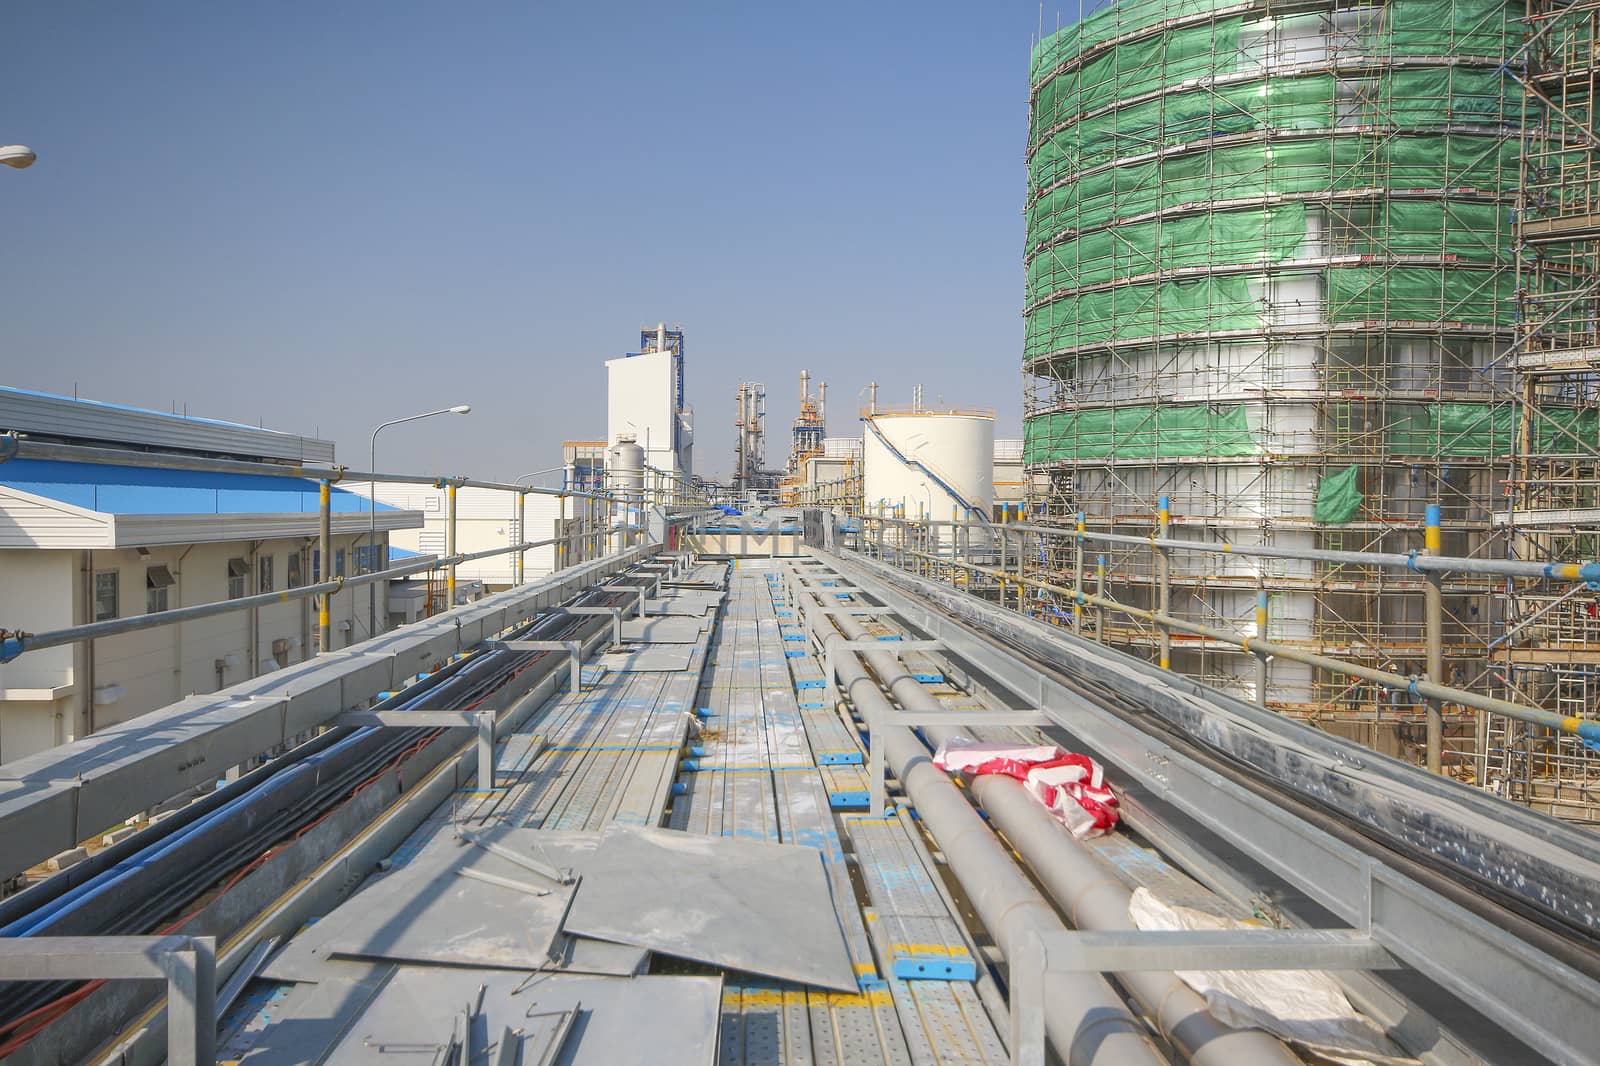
372, 499
17, 156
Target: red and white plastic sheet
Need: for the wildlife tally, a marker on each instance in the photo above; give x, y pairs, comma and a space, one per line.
1072, 787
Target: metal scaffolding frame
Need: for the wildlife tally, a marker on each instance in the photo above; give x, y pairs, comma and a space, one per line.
1270, 280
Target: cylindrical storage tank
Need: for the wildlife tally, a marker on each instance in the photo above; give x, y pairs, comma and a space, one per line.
625, 479
1269, 265
929, 464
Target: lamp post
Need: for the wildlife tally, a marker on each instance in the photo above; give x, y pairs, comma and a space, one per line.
17, 156
372, 500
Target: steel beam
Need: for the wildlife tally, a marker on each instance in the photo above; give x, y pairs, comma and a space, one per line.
187, 963
573, 648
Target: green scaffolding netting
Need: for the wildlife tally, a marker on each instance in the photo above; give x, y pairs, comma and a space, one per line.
1147, 154
1395, 99
1467, 231
1311, 164
1478, 430
1222, 302
1339, 496
1408, 27
1173, 431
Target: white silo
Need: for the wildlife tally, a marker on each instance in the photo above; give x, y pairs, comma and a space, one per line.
935, 464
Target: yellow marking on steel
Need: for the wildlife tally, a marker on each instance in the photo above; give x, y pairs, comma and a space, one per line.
930, 949
1570, 724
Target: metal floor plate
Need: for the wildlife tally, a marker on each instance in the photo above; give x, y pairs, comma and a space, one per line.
671, 1021
652, 658
670, 629
427, 911
760, 908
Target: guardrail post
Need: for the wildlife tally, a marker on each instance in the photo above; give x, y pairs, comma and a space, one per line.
1164, 573
325, 552
1433, 620
486, 751
1027, 969
450, 546
522, 536
1261, 658
1100, 592
1077, 577
1022, 544
192, 1003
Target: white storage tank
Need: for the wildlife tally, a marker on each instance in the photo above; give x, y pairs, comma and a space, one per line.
625, 479
926, 463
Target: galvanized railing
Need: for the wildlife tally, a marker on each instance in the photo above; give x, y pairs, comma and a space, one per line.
578, 543
932, 546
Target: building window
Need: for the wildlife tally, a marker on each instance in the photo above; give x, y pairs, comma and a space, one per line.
264, 574
238, 578
369, 558
158, 582
338, 562
292, 573
106, 596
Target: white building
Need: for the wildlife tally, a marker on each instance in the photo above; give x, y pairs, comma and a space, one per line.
83, 542
485, 519
645, 400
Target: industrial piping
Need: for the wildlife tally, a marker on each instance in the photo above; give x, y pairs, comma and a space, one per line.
1086, 892
1085, 1020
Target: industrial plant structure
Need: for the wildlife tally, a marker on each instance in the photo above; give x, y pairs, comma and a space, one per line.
1269, 283
645, 399
750, 473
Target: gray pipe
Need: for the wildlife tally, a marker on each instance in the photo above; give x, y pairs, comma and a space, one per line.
1087, 893
1085, 1020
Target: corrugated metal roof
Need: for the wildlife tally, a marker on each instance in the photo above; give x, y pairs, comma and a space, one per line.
148, 491
109, 423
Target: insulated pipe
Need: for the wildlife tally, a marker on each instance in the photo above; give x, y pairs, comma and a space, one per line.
1086, 892
1085, 1020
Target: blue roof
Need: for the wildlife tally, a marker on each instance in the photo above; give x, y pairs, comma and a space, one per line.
149, 490
396, 552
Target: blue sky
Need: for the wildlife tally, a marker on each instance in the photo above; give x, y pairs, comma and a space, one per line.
320, 216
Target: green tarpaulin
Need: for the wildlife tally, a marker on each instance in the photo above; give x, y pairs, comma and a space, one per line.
1158, 139
1339, 496
1173, 431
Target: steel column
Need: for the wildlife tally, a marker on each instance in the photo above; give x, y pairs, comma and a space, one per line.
325, 555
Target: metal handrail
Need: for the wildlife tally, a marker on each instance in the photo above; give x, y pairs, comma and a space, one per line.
1426, 564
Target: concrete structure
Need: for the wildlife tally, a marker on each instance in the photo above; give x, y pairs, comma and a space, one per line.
934, 464
81, 544
645, 398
